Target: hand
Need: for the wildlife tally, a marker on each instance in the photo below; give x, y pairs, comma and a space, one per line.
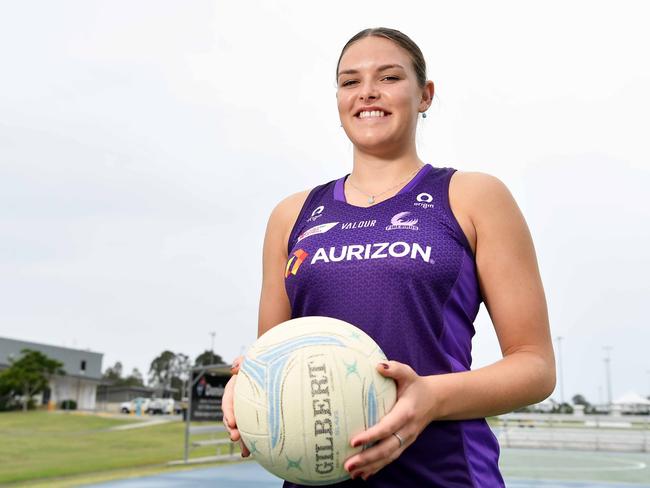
408, 417
227, 406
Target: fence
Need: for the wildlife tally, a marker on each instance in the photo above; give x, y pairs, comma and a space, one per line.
588, 433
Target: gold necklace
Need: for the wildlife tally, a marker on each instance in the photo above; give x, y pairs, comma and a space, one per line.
371, 198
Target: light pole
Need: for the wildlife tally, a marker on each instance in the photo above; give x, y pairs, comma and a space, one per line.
608, 375
559, 363
212, 334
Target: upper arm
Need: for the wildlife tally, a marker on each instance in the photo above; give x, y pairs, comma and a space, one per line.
507, 268
274, 302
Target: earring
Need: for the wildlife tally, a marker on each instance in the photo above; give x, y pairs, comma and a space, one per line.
424, 115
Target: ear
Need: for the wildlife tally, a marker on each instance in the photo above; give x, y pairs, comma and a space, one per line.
427, 96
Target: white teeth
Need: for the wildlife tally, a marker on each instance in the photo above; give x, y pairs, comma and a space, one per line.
374, 113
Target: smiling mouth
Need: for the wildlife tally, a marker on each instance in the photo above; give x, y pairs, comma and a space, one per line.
374, 115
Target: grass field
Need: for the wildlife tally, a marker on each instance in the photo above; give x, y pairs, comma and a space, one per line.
50, 445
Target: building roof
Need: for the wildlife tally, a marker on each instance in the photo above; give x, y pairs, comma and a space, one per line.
74, 360
632, 398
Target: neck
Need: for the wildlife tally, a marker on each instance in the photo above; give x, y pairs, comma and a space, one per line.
375, 174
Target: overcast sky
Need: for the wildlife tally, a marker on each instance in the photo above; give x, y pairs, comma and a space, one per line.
143, 145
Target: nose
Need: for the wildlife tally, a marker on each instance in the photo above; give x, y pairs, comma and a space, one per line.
368, 91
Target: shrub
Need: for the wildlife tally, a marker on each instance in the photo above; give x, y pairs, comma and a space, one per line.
68, 405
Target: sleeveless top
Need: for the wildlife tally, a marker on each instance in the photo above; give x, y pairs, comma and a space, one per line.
403, 271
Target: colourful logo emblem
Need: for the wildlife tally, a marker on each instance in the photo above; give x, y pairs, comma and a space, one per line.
294, 262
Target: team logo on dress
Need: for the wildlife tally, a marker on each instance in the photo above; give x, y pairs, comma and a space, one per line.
294, 262
317, 213
318, 229
358, 225
424, 200
399, 222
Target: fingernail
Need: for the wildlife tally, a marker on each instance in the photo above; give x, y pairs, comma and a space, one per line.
356, 444
351, 467
385, 365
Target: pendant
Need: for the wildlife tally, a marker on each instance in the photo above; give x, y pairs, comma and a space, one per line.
371, 199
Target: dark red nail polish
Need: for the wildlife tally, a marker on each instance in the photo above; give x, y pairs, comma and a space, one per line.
385, 365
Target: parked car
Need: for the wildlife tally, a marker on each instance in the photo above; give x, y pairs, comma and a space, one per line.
131, 406
161, 406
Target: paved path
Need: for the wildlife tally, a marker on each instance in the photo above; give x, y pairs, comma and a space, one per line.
251, 475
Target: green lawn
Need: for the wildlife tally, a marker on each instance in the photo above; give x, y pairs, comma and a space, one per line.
40, 445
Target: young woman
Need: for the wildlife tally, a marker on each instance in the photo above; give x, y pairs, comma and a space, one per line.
407, 251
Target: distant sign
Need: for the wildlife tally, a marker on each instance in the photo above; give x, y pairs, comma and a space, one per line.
206, 396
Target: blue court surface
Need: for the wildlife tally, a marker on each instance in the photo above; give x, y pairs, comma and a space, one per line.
522, 468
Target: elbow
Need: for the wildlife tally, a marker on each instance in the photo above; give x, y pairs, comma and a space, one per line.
550, 385
547, 380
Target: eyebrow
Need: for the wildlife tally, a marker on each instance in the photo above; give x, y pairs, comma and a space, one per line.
381, 68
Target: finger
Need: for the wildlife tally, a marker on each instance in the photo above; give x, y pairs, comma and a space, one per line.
399, 416
380, 451
236, 364
244, 450
402, 373
391, 450
375, 467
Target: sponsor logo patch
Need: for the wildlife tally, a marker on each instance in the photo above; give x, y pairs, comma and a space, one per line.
296, 259
380, 250
424, 200
358, 225
400, 221
316, 214
318, 229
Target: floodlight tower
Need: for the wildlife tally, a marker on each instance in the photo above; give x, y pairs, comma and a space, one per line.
212, 334
608, 375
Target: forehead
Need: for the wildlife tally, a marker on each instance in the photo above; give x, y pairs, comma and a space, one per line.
370, 52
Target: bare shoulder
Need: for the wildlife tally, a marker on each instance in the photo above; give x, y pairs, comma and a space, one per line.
473, 197
284, 215
477, 185
477, 194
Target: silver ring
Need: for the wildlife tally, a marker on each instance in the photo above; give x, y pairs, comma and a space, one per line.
399, 438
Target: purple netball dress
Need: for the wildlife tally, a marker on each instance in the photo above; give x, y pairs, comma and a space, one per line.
401, 270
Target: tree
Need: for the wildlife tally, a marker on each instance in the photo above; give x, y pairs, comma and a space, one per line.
207, 358
160, 370
114, 373
580, 400
29, 375
114, 376
134, 379
5, 392
170, 370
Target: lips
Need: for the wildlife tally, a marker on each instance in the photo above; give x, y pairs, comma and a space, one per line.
371, 109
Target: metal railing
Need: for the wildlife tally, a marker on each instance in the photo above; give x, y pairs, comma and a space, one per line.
560, 431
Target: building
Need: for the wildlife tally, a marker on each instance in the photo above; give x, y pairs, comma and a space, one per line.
83, 371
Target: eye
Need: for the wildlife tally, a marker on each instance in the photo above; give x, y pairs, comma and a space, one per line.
389, 77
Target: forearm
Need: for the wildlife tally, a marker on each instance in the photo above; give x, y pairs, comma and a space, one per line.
519, 379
